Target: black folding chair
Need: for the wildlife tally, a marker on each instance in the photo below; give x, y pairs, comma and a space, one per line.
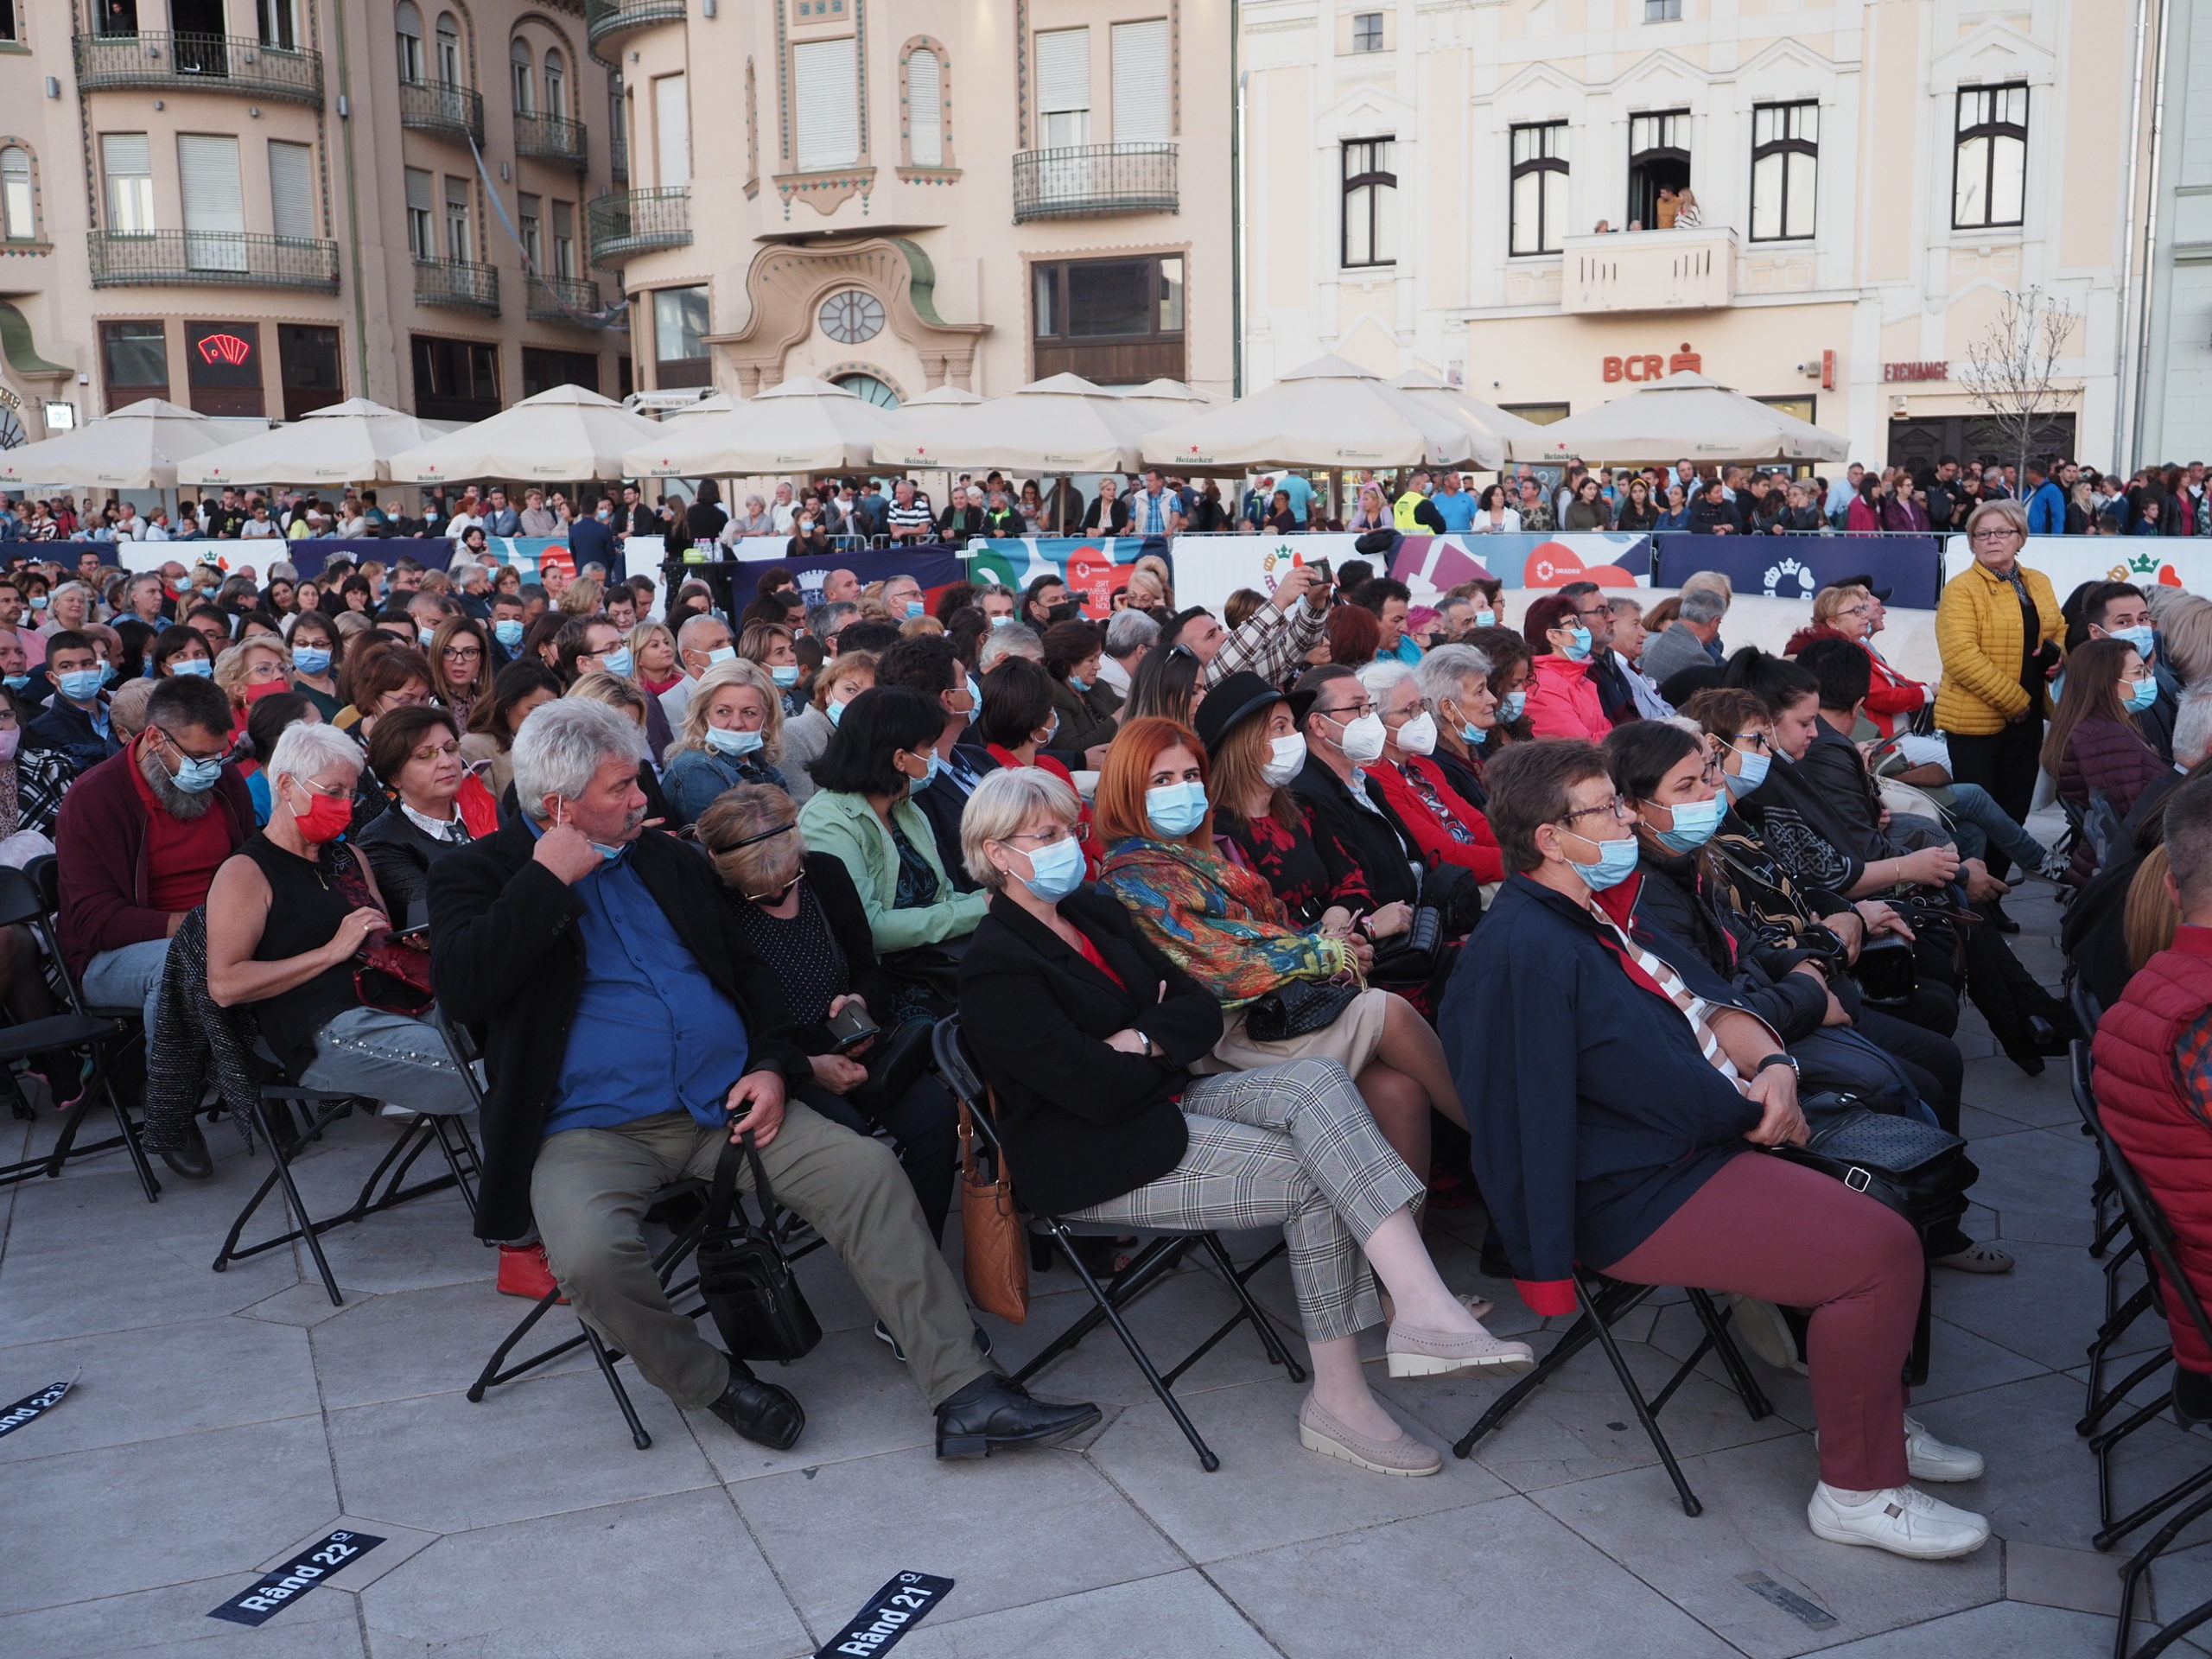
1162, 1252
1604, 1302
2121, 1313
29, 899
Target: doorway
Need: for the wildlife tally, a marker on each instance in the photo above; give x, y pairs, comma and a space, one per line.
1658, 159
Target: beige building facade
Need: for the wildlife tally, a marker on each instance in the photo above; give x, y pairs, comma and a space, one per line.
258, 207
1476, 187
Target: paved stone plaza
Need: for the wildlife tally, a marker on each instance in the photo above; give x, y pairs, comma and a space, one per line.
220, 1421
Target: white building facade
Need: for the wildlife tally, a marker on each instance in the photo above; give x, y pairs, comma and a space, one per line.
2176, 388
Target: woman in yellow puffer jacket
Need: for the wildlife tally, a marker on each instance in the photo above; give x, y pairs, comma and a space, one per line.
1997, 626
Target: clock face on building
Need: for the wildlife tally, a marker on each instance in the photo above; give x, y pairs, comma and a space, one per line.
852, 316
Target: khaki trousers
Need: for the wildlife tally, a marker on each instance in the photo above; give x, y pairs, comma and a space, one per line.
590, 1188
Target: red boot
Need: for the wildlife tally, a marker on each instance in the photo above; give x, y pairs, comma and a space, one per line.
522, 1272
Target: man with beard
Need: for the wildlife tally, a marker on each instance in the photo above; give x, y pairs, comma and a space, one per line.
141, 836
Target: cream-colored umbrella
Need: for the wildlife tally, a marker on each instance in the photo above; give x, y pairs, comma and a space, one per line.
1455, 401
1683, 416
350, 442
719, 402
137, 447
1327, 413
947, 396
1062, 424
1170, 399
564, 433
802, 425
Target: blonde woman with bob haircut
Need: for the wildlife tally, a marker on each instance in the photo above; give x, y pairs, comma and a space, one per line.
732, 734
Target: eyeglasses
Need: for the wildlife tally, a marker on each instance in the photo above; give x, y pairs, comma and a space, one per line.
1758, 740
1356, 711
2006, 534
1412, 711
464, 653
213, 754
1053, 836
436, 751
1619, 806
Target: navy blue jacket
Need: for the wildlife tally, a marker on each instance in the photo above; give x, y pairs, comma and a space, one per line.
66, 728
1593, 1114
593, 542
2047, 509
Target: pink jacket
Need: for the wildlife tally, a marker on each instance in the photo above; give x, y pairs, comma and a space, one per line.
1562, 702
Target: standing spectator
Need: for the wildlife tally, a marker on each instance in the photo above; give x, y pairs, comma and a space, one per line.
1107, 514
909, 517
1588, 510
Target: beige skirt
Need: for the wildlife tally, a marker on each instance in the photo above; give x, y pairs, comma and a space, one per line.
1352, 1038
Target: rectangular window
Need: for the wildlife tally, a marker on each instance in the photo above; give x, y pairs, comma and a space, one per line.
679, 337
279, 28
826, 80
1785, 168
307, 364
455, 379
1063, 88
1117, 322
527, 209
1658, 167
8, 28
1371, 202
1367, 31
1141, 83
1537, 414
214, 201
672, 130
222, 362
1539, 187
127, 160
1989, 166
291, 189
564, 239
421, 233
1662, 11
461, 241
18, 200
543, 369
134, 361
924, 108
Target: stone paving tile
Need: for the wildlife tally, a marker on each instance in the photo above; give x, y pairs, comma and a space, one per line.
1996, 1086
2046, 1309
428, 1341
860, 1402
2078, 1578
2004, 1629
1180, 1615
173, 1619
100, 1287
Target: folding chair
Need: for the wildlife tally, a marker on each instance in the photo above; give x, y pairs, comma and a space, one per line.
2121, 1314
27, 898
1604, 1302
1162, 1252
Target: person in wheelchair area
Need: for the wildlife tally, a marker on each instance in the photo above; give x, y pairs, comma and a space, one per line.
629, 1033
1617, 1105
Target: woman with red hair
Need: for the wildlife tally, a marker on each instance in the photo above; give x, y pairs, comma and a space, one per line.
1563, 699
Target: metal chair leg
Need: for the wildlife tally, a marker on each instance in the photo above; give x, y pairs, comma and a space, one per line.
638, 1438
2131, 1577
1106, 1308
1690, 1504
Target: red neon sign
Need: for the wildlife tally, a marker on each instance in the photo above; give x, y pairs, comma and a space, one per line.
229, 348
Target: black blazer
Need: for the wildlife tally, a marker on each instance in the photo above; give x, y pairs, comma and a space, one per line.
1375, 841
401, 855
506, 962
1082, 1122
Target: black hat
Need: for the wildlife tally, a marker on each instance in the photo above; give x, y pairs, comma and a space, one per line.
1236, 699
1865, 580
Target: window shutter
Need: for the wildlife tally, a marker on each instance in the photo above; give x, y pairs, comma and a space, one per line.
672, 130
926, 108
827, 81
126, 155
291, 189
214, 202
1063, 71
418, 190
1141, 103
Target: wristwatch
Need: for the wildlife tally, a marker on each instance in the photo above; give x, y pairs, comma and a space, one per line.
1777, 1059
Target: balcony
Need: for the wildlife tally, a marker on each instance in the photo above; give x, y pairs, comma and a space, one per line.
457, 285
1649, 270
1090, 180
561, 299
199, 63
440, 106
212, 259
604, 19
551, 138
638, 221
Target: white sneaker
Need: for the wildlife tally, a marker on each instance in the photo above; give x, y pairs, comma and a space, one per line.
1766, 1333
1902, 1521
1927, 1457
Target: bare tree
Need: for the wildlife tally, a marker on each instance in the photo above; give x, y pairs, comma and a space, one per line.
2011, 367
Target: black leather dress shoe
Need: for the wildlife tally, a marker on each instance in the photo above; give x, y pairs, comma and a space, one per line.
994, 1412
761, 1411
192, 1159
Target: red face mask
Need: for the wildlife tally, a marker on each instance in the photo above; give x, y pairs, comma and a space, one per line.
328, 817
266, 689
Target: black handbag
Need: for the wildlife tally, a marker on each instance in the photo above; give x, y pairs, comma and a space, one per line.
744, 1279
1410, 957
894, 1061
1296, 1008
1452, 891
1917, 1169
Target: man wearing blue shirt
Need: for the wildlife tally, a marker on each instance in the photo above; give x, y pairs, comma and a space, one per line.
1453, 504
2046, 501
629, 1035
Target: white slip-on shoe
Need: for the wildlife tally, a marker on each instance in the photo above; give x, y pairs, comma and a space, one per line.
1928, 1459
1902, 1521
1413, 1352
1766, 1333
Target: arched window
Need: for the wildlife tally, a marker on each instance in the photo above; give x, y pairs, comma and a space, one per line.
408, 23
924, 108
448, 63
524, 75
556, 83
18, 210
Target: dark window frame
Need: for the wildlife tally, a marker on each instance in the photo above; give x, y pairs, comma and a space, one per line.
120, 392
456, 403
1962, 134
1360, 34
1155, 343
1548, 160
1785, 147
1373, 180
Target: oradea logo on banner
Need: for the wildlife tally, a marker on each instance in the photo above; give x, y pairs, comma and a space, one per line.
1095, 570
1431, 565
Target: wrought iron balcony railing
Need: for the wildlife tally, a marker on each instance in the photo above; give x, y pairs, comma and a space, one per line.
604, 19
207, 63
213, 258
552, 138
441, 106
458, 285
637, 221
1086, 181
561, 299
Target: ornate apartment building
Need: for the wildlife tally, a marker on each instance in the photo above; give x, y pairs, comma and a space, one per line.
1478, 186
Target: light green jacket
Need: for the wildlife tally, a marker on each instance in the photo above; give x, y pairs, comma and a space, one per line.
846, 826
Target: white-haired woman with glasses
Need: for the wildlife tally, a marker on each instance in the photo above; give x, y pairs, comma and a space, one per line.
1088, 1035
288, 916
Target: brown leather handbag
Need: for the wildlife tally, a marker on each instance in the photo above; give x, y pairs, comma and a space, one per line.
992, 1246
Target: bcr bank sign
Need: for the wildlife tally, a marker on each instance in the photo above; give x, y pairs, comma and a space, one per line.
1652, 366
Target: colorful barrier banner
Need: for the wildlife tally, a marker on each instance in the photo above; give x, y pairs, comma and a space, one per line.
308, 557
2069, 561
1208, 569
1797, 567
1094, 567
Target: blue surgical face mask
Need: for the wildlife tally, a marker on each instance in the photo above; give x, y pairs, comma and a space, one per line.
914, 608
80, 685
1616, 863
1512, 707
107, 673
38, 601
2144, 640
975, 697
785, 674
1005, 621
198, 667
1754, 774
311, 660
1486, 618
2141, 694
1056, 870
15, 681
732, 741
1175, 810
426, 635
508, 631
198, 777
1695, 823
722, 654
619, 661
1077, 683
1578, 649
836, 710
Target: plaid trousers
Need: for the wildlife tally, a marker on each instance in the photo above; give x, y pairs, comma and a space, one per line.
1294, 1145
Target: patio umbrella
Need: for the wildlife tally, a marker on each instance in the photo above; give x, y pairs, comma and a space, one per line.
1169, 400
1062, 424
135, 448
1684, 415
350, 442
1454, 401
1327, 413
802, 426
562, 434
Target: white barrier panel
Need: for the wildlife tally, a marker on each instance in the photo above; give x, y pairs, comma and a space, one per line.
2069, 561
